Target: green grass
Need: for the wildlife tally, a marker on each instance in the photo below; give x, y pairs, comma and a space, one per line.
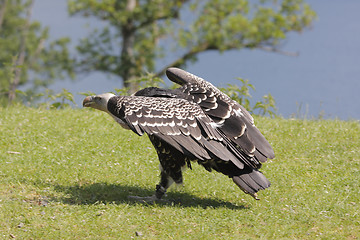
66, 174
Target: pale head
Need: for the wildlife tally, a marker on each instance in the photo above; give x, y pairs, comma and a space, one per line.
98, 101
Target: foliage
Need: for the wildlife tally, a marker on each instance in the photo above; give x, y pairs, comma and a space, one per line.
60, 100
67, 174
139, 33
265, 105
49, 99
242, 95
25, 56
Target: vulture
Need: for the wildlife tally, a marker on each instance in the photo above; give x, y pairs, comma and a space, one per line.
193, 123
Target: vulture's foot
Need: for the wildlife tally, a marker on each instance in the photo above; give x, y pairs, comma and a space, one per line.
254, 195
156, 198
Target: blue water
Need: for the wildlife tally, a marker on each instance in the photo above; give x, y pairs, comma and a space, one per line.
324, 80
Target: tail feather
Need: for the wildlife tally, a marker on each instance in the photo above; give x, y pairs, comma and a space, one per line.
251, 182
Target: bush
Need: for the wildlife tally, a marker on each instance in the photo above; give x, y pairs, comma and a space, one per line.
242, 95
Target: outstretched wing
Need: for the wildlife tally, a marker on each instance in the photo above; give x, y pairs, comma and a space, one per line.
179, 122
232, 118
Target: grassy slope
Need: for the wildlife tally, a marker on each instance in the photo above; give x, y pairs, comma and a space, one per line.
67, 174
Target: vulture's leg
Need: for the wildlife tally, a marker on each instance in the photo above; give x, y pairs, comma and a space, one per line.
165, 182
172, 163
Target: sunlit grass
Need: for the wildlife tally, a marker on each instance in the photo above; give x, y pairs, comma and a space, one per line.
66, 174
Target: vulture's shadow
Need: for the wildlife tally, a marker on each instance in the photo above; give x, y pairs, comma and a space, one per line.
118, 194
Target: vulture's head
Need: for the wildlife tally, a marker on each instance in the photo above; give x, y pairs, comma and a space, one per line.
98, 101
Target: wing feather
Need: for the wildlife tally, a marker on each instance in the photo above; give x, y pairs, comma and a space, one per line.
180, 123
233, 119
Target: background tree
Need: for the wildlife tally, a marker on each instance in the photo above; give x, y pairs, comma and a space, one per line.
25, 57
140, 32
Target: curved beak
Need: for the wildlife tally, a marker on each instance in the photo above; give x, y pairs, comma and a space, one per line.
88, 101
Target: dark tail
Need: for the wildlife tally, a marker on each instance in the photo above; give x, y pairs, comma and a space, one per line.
252, 182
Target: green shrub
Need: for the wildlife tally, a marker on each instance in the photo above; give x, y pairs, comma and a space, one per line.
242, 95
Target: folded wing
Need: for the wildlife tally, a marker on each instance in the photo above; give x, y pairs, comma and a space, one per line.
180, 123
232, 118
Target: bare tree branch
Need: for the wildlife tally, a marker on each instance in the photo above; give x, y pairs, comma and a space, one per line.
182, 59
39, 48
196, 50
276, 50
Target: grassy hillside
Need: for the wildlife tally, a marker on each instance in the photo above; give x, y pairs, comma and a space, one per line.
66, 174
